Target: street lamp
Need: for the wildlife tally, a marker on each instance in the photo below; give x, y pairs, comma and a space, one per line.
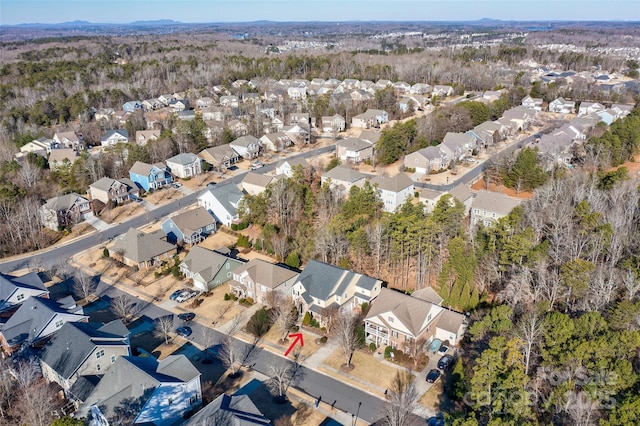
355, 418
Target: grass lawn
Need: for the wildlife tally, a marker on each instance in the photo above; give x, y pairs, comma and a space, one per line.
310, 346
432, 398
366, 368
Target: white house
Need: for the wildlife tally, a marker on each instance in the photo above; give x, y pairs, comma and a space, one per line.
247, 146
185, 165
113, 137
222, 202
563, 106
487, 207
286, 167
393, 191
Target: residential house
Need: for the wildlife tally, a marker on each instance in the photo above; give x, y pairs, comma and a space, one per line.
150, 176
145, 136
370, 135
160, 393
213, 130
83, 349
301, 118
464, 195
401, 87
68, 139
442, 91
522, 117
230, 101
297, 133
140, 250
213, 113
297, 92
333, 124
560, 105
113, 137
189, 227
247, 147
131, 106
275, 141
251, 98
114, 190
557, 146
425, 160
65, 211
429, 198
257, 183
257, 278
370, 118
222, 202
488, 133
220, 157
421, 89
185, 165
14, 291
487, 207
622, 110
287, 167
104, 114
492, 95
179, 105
62, 158
208, 268
342, 178
353, 150
238, 127
393, 191
186, 115
166, 99
590, 107
532, 103
40, 146
36, 320
151, 104
608, 116
236, 410
461, 144
322, 287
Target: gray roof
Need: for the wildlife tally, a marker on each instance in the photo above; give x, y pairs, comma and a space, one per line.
228, 195
191, 220
83, 386
428, 294
353, 144
183, 159
136, 378
143, 169
59, 155
344, 174
266, 273
461, 193
321, 280
494, 202
370, 135
395, 183
74, 342
450, 321
237, 410
257, 179
430, 152
141, 247
430, 194
219, 153
121, 132
411, 311
245, 141
298, 161
457, 139
9, 284
31, 319
103, 184
64, 202
206, 262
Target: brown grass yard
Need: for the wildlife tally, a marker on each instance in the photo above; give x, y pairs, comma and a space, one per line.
366, 368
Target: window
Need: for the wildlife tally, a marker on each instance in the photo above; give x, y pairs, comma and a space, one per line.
228, 274
59, 323
20, 297
390, 318
394, 334
100, 354
113, 359
98, 367
228, 265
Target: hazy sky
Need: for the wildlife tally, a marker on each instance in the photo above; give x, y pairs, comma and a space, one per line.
117, 11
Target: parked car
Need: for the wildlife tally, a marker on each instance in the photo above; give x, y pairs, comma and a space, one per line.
445, 362
257, 165
437, 420
186, 316
433, 375
184, 331
186, 296
176, 294
176, 185
443, 350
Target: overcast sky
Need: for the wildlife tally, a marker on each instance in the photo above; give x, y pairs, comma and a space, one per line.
117, 11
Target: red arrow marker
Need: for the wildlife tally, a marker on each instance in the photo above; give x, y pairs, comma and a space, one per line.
297, 337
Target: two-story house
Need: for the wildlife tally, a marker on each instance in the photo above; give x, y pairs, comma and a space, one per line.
333, 124
113, 137
322, 286
247, 147
208, 268
150, 176
257, 278
62, 158
354, 150
370, 118
149, 391
36, 320
232, 410
189, 227
461, 144
393, 191
65, 211
287, 167
222, 202
590, 107
185, 165
342, 178
425, 160
114, 190
14, 291
68, 139
138, 249
275, 142
488, 207
145, 136
532, 103
83, 349
220, 157
563, 106
257, 183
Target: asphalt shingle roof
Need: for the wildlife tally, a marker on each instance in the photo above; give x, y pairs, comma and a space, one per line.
141, 247
9, 284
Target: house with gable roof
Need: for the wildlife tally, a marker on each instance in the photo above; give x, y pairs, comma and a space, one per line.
393, 191
429, 198
257, 278
460, 144
257, 183
286, 167
333, 124
115, 190
230, 410
40, 146
65, 211
222, 202
208, 268
563, 106
354, 150
83, 349
14, 291
36, 320
113, 137
589, 108
185, 165
532, 103
427, 159
68, 139
153, 392
138, 249
145, 136
276, 141
220, 157
370, 118
150, 176
343, 178
189, 227
247, 146
63, 157
488, 207
322, 286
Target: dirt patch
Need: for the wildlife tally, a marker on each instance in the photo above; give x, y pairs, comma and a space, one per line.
632, 166
366, 368
481, 186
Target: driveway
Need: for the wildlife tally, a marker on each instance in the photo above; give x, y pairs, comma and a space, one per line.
98, 224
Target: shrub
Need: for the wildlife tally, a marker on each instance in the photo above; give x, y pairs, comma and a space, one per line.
234, 227
387, 352
105, 252
259, 323
243, 241
323, 339
233, 297
315, 323
293, 260
242, 301
372, 347
249, 301
294, 329
307, 319
227, 297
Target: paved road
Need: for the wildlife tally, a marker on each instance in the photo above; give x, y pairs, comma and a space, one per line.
57, 253
313, 383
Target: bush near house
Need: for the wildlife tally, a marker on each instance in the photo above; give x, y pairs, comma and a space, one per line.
259, 323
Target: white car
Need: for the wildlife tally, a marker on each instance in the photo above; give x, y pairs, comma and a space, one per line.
186, 296
176, 185
256, 165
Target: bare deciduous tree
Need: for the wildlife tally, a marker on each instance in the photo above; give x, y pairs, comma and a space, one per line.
403, 397
282, 312
231, 354
164, 326
345, 332
529, 331
83, 284
122, 306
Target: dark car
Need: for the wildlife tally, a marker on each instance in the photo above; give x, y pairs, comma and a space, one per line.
184, 331
176, 293
436, 420
433, 376
186, 316
445, 362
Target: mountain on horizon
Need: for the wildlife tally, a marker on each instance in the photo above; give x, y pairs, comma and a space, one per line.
79, 23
